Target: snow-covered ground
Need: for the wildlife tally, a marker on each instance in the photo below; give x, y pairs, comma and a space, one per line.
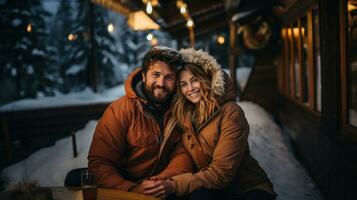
49, 166
61, 100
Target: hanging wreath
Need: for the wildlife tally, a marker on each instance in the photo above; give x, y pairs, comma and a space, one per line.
256, 35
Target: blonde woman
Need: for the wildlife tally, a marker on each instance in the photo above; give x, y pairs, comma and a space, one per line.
215, 133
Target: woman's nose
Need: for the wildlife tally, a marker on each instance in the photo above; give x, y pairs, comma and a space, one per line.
189, 87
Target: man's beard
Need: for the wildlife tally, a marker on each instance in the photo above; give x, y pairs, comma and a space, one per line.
149, 91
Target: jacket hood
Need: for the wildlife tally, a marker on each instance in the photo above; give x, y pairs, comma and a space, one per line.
133, 79
220, 81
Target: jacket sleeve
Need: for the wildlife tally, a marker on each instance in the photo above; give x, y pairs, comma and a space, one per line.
180, 162
227, 156
107, 149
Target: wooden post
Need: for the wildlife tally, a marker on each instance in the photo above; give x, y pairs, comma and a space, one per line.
74, 144
7, 140
192, 37
92, 61
232, 56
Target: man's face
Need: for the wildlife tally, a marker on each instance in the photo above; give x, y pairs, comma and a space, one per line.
159, 82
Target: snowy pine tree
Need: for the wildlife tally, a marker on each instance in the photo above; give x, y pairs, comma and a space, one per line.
106, 53
63, 37
23, 49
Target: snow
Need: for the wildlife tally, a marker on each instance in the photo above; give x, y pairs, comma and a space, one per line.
353, 117
37, 52
49, 165
60, 100
242, 75
74, 69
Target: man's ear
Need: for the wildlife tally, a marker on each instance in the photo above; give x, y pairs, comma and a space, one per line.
143, 76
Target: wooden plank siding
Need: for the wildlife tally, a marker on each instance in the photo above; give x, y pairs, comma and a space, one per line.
320, 138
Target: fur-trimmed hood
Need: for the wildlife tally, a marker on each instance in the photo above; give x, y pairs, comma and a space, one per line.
220, 82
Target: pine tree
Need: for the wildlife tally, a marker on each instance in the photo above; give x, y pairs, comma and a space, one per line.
23, 51
63, 27
106, 50
76, 73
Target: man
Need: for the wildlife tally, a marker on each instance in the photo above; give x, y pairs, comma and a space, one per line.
134, 139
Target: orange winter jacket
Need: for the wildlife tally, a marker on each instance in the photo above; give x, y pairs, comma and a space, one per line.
129, 144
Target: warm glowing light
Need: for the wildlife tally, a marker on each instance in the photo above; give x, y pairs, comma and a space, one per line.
290, 32
296, 32
154, 41
71, 37
183, 10
140, 21
29, 28
150, 36
220, 40
351, 7
283, 33
110, 28
190, 23
148, 7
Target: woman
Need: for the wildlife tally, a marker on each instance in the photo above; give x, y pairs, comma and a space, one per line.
215, 133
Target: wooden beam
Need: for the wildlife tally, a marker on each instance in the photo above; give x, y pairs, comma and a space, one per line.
330, 49
232, 57
113, 5
310, 57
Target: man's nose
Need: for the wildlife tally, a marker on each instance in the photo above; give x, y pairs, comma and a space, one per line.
160, 81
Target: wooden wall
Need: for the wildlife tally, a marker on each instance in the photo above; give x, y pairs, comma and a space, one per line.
330, 160
329, 156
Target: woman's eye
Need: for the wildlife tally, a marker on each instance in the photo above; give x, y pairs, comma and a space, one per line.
195, 80
183, 85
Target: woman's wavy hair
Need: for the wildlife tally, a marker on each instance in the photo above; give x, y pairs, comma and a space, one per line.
197, 114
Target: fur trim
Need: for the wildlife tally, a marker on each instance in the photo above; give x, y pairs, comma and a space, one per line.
209, 65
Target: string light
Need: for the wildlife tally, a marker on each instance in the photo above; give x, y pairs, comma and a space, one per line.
148, 7
220, 40
71, 37
29, 28
190, 23
150, 36
110, 28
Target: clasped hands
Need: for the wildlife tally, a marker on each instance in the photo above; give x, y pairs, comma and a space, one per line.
156, 186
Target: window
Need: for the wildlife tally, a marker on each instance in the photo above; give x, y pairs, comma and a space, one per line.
317, 57
300, 60
296, 65
348, 38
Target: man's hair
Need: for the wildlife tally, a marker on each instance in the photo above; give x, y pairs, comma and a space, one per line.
165, 54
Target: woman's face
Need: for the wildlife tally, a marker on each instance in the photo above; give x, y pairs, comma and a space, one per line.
190, 86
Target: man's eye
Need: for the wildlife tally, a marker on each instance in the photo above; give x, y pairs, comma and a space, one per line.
156, 75
170, 78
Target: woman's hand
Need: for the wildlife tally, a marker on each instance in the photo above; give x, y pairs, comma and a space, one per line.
159, 188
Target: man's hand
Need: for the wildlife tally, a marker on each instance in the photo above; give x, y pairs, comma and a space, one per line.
140, 187
159, 188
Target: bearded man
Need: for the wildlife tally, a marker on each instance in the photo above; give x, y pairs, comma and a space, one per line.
132, 140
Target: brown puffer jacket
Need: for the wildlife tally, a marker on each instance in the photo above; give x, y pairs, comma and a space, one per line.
219, 147
127, 145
